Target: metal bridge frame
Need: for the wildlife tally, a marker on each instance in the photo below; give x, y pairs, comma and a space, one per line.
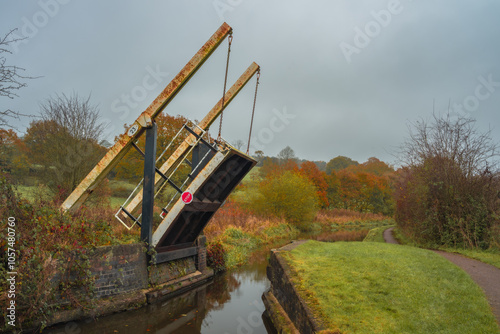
121, 147
155, 177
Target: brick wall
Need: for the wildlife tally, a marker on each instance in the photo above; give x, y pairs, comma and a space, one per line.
119, 269
164, 272
125, 268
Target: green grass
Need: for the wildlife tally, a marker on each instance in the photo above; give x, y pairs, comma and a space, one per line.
490, 256
115, 202
32, 193
368, 287
250, 180
253, 173
114, 184
357, 225
240, 245
376, 234
26, 192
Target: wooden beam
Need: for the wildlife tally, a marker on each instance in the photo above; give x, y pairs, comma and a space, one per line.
121, 147
175, 254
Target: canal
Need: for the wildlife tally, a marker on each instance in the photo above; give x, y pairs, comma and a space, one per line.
231, 303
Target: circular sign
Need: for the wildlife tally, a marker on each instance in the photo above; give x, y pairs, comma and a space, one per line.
133, 129
187, 197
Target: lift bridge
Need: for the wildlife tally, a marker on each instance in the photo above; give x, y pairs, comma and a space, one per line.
215, 167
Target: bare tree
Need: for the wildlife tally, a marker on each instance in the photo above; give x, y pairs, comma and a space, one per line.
75, 114
286, 154
11, 78
454, 138
238, 144
448, 189
66, 140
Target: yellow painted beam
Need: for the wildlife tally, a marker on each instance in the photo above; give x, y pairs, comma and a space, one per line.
120, 148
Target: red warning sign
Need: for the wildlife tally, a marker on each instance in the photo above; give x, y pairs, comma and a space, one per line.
187, 197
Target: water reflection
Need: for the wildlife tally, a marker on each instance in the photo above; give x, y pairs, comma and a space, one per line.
231, 303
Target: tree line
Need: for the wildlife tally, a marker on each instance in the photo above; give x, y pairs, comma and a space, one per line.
445, 192
296, 189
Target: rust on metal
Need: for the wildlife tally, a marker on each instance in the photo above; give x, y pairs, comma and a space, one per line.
188, 71
121, 147
205, 123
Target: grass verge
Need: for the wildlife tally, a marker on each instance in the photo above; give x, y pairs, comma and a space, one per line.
383, 288
376, 234
244, 234
239, 245
490, 256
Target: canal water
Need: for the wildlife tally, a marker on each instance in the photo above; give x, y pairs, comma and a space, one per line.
231, 303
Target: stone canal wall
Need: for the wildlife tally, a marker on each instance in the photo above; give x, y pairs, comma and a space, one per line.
287, 310
121, 278
118, 269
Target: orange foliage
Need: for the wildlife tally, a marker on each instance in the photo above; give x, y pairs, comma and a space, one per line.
232, 214
372, 166
365, 192
318, 178
9, 138
342, 216
131, 167
13, 153
341, 236
364, 187
271, 169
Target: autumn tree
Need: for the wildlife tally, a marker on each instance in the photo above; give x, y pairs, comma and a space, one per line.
366, 187
310, 170
13, 157
334, 191
447, 193
375, 180
259, 156
65, 142
372, 166
339, 163
274, 166
289, 195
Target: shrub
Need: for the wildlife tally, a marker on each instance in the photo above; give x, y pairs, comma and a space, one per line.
215, 256
45, 236
447, 194
290, 195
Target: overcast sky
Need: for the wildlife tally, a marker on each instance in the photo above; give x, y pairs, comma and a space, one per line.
338, 77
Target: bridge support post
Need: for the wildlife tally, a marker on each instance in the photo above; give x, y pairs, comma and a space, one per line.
148, 189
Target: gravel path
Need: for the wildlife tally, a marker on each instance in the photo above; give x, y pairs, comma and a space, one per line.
485, 275
388, 237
